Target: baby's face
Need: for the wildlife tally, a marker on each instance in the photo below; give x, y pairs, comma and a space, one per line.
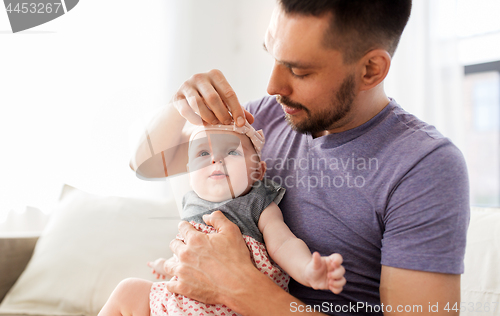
222, 165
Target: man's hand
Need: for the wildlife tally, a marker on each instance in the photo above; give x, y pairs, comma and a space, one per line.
325, 273
209, 96
211, 266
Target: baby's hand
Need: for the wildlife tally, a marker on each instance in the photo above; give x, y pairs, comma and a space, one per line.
326, 273
157, 267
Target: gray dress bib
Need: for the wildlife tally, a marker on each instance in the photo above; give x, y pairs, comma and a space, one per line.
244, 210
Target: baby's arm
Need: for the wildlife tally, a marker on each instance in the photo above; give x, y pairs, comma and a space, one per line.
293, 255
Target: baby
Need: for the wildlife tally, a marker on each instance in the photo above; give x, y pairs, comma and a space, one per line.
227, 174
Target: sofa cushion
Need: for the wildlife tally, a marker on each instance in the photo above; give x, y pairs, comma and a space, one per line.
481, 281
90, 244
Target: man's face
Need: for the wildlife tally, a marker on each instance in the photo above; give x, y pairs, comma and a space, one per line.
314, 87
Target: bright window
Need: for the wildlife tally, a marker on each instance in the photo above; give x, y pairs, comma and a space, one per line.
482, 106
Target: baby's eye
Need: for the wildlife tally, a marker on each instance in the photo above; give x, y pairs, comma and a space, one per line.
233, 153
203, 153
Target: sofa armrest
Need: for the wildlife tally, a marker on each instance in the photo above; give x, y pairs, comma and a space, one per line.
15, 253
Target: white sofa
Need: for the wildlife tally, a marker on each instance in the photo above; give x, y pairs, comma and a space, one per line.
88, 246
93, 242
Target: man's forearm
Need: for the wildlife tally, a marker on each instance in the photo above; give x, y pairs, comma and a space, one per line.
258, 295
165, 131
400, 288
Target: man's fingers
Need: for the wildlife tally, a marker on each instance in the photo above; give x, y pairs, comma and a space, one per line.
228, 96
216, 216
214, 102
220, 222
177, 246
200, 108
173, 287
185, 229
210, 97
249, 117
185, 110
192, 97
190, 235
170, 265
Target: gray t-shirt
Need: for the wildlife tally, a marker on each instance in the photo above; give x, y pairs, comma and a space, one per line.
392, 192
244, 210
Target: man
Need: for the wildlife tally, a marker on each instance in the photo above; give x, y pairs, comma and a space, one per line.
364, 178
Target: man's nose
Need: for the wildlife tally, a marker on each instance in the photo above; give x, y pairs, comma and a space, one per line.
278, 82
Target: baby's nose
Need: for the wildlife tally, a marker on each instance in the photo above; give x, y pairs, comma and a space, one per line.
216, 160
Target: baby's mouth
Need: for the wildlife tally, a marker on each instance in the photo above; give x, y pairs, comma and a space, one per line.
217, 174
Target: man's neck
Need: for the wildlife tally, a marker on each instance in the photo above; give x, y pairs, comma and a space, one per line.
366, 106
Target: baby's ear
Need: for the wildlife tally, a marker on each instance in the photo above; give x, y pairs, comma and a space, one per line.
262, 167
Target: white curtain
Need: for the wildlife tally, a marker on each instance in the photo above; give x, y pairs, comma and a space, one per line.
426, 74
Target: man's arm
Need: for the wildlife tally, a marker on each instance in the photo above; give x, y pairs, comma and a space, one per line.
412, 292
216, 269
425, 233
158, 146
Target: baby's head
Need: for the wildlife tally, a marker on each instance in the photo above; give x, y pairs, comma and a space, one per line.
224, 161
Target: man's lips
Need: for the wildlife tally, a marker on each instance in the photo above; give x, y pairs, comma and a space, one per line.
289, 110
288, 106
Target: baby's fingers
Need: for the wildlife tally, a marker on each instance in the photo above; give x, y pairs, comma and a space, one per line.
335, 260
317, 263
335, 273
336, 286
159, 276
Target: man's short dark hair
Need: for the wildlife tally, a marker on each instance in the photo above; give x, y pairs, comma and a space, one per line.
357, 26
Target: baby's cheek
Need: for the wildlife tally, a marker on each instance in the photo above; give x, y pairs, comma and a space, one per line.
196, 180
238, 177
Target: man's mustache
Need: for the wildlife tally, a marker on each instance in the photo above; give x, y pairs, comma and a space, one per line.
289, 103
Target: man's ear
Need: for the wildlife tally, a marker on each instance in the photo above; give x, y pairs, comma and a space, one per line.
374, 66
261, 169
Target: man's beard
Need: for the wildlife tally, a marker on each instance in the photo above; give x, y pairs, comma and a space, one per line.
324, 119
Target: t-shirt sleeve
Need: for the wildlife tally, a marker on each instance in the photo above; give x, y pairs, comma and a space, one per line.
260, 106
253, 106
427, 215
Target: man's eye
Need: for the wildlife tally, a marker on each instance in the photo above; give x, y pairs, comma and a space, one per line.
296, 75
